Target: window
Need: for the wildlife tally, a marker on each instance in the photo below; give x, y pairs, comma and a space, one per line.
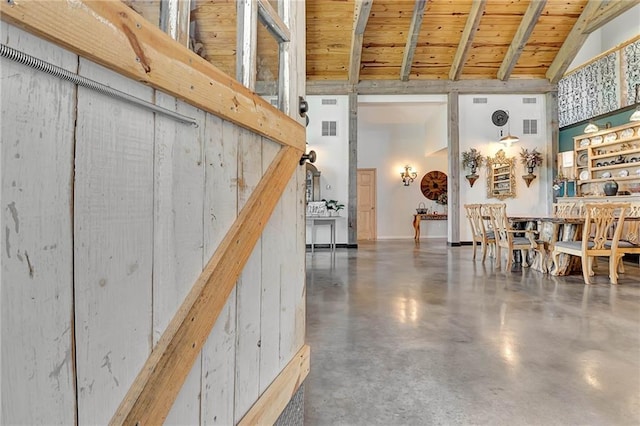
329, 128
530, 127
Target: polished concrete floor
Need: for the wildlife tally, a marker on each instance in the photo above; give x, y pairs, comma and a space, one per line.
405, 334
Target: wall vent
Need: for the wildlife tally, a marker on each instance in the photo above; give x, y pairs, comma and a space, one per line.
479, 100
530, 127
329, 128
329, 101
529, 100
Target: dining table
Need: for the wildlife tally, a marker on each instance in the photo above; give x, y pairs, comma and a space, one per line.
550, 230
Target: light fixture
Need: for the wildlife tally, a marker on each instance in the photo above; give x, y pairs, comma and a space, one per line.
636, 114
591, 127
509, 139
408, 175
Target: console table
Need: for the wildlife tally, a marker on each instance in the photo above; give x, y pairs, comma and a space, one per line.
315, 221
417, 218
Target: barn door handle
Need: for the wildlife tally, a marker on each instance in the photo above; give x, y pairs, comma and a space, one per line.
311, 157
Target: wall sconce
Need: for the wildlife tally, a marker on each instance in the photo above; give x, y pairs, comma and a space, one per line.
408, 175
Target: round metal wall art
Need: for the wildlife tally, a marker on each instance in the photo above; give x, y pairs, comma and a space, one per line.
433, 184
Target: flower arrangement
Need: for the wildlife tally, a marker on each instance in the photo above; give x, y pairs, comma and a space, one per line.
531, 158
442, 199
472, 159
333, 205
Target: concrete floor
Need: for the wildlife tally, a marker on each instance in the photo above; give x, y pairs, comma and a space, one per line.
405, 334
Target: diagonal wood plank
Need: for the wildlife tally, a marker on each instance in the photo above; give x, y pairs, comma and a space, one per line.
151, 395
362, 9
466, 40
275, 398
572, 44
115, 36
528, 23
609, 12
412, 38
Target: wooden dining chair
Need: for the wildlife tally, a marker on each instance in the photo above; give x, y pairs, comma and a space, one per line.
506, 236
629, 242
599, 218
479, 232
565, 210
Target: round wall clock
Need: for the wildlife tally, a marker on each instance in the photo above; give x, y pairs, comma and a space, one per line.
433, 184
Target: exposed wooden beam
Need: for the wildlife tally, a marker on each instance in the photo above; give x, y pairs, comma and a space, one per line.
572, 44
607, 12
362, 9
276, 26
453, 136
275, 398
113, 35
426, 87
528, 23
247, 43
352, 179
154, 390
412, 38
466, 41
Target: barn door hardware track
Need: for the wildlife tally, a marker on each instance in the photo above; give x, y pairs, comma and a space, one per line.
39, 64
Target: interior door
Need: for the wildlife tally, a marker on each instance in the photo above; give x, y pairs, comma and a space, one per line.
366, 204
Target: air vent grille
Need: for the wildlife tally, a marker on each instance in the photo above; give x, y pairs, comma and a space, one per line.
530, 127
329, 102
329, 128
529, 101
479, 100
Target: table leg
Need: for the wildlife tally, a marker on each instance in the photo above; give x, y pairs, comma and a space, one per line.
416, 227
313, 235
333, 237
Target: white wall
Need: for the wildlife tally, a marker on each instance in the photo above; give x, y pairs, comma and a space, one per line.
617, 31
333, 159
478, 131
391, 136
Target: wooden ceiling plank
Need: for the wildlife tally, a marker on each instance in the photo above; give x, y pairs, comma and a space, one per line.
608, 13
470, 29
520, 39
412, 38
362, 10
572, 44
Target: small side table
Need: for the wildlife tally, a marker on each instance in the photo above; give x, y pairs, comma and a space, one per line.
315, 221
420, 217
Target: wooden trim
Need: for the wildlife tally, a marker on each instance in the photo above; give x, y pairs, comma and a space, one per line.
528, 23
603, 54
466, 40
362, 9
572, 44
113, 35
608, 12
412, 38
247, 43
453, 136
269, 16
275, 398
154, 390
430, 87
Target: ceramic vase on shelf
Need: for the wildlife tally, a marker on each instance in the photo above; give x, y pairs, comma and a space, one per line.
610, 188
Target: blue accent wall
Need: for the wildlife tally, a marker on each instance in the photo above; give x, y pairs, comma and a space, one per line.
617, 118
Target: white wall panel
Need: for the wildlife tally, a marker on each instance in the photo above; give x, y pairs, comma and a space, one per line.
36, 369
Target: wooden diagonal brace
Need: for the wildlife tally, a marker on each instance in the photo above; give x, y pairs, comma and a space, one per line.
154, 390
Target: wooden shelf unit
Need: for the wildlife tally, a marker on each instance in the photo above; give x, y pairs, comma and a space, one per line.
601, 152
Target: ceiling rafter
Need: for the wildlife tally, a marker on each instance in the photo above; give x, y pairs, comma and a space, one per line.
572, 44
608, 12
412, 38
362, 9
528, 23
470, 29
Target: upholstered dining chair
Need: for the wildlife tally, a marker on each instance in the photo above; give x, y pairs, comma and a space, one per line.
599, 218
506, 238
479, 232
630, 236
